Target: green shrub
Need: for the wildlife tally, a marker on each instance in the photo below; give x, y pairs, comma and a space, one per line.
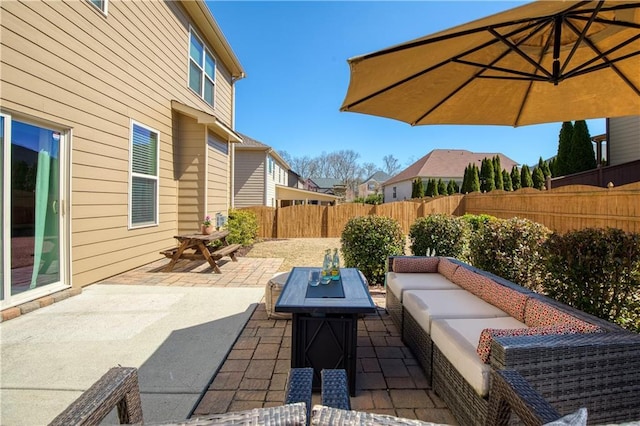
596, 271
477, 221
368, 241
242, 226
445, 235
512, 249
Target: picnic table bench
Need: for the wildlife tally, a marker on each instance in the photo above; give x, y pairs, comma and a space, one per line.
195, 247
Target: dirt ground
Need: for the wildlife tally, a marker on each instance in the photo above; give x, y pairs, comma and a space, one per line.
298, 252
295, 251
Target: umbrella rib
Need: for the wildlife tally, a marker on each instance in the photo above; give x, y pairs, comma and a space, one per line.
538, 24
438, 65
518, 51
605, 59
581, 36
524, 75
419, 43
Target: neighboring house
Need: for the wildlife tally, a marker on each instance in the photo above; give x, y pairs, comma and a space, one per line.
295, 180
333, 186
261, 178
445, 164
623, 140
373, 184
117, 131
258, 169
310, 185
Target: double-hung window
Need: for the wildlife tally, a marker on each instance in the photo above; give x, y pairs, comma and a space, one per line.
202, 69
143, 193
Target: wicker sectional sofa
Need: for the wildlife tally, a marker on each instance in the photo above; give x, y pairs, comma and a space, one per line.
462, 323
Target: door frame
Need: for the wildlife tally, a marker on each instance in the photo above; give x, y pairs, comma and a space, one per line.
10, 300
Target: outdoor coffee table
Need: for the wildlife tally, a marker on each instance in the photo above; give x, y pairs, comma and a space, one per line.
325, 321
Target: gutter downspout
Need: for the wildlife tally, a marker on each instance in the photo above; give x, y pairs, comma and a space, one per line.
232, 150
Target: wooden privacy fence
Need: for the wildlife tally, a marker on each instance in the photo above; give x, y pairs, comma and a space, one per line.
561, 209
565, 208
313, 221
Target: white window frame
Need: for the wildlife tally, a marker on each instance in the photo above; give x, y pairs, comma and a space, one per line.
104, 8
206, 52
133, 174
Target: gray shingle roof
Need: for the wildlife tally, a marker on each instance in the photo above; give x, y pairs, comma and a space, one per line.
249, 142
379, 177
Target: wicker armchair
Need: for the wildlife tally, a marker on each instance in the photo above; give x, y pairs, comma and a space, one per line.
119, 388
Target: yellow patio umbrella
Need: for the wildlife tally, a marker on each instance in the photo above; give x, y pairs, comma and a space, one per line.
547, 61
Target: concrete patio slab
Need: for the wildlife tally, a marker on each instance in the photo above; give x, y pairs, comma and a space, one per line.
176, 336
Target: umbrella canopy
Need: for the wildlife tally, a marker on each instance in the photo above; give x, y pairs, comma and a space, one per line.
547, 61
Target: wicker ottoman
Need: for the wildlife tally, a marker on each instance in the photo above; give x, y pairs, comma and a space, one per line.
272, 292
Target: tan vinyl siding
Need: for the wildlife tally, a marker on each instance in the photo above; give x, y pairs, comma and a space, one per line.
624, 136
68, 63
217, 176
249, 178
190, 172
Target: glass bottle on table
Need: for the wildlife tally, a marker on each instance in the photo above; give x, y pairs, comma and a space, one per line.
326, 268
335, 266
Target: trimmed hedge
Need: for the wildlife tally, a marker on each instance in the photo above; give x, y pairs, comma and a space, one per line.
368, 241
596, 271
441, 234
512, 249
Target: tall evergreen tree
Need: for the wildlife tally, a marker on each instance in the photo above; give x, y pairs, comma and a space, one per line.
563, 159
465, 181
525, 177
452, 187
515, 178
431, 188
546, 170
552, 167
442, 187
581, 148
487, 176
419, 187
506, 178
413, 188
497, 170
538, 178
474, 182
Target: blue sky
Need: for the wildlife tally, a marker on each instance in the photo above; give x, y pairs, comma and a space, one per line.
295, 56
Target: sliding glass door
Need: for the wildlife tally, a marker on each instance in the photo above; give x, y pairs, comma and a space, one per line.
32, 188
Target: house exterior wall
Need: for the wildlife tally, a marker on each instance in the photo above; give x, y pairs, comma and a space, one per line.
403, 192
624, 139
277, 176
249, 178
69, 64
190, 172
218, 176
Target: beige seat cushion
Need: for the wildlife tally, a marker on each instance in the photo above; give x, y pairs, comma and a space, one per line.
457, 339
399, 282
427, 305
272, 292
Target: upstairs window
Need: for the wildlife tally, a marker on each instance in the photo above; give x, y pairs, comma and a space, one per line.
100, 4
143, 201
202, 69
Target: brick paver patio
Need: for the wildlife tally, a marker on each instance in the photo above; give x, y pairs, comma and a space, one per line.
389, 380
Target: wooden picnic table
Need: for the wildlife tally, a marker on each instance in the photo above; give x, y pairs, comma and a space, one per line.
195, 247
